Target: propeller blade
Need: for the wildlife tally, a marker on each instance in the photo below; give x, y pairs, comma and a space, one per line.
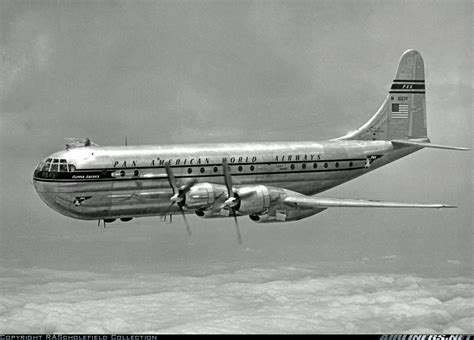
185, 188
169, 208
188, 228
179, 195
231, 201
171, 178
227, 177
239, 236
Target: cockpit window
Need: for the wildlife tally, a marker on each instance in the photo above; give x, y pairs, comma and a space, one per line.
46, 166
55, 165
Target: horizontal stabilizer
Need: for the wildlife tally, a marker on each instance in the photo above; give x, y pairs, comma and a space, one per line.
323, 202
407, 142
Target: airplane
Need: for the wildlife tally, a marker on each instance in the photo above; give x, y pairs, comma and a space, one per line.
269, 181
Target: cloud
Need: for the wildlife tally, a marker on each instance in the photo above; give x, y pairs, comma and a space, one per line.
258, 300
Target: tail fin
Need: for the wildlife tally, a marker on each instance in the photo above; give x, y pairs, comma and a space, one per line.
403, 113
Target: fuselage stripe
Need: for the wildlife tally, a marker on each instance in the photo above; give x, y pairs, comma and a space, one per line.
163, 177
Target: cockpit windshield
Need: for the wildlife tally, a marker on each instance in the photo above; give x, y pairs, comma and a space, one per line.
55, 165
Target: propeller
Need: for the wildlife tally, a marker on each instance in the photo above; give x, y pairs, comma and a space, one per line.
179, 194
232, 201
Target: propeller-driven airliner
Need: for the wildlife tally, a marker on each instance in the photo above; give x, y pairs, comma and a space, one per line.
269, 182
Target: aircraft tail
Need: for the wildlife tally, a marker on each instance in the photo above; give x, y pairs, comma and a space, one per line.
403, 113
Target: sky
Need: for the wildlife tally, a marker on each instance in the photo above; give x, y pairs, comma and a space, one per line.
164, 72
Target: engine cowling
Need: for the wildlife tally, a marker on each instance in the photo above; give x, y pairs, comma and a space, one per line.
253, 199
202, 196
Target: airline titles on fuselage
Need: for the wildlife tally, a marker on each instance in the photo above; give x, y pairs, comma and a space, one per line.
202, 161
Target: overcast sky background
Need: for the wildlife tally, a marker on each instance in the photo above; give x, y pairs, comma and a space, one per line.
201, 71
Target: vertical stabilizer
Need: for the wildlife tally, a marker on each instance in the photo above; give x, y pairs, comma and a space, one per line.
403, 113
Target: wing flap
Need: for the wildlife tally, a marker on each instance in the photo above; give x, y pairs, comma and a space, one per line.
324, 202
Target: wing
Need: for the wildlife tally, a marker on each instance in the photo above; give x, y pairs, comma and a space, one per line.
324, 202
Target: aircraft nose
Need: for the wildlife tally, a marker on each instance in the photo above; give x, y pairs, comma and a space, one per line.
44, 192
50, 195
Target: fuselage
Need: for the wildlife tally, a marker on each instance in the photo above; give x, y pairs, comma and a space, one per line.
130, 181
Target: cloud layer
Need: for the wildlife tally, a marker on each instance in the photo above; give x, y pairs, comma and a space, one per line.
258, 300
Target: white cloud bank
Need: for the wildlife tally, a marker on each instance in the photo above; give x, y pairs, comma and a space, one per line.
281, 300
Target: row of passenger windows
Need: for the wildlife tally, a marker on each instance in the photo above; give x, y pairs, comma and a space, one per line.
292, 166
252, 168
55, 165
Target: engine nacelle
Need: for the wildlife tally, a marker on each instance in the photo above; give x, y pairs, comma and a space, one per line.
253, 199
203, 195
285, 215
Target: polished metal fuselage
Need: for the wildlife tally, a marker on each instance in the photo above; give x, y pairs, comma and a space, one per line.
131, 181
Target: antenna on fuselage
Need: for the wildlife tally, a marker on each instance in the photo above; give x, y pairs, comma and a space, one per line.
126, 143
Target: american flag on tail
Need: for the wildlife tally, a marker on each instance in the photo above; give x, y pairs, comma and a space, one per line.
399, 111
